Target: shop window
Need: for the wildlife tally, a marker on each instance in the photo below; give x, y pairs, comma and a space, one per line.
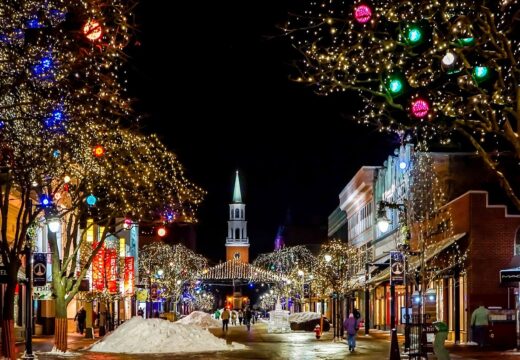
517, 242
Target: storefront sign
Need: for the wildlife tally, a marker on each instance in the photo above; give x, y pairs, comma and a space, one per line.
129, 275
396, 267
39, 269
42, 292
510, 275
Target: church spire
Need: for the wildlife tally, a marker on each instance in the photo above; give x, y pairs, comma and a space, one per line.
237, 194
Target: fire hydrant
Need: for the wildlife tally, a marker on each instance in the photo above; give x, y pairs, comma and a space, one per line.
317, 331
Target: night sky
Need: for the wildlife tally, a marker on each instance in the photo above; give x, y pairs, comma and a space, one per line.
229, 104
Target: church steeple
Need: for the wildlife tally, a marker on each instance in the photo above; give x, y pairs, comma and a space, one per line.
237, 194
237, 242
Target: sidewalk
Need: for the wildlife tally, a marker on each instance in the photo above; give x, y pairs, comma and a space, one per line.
457, 351
45, 343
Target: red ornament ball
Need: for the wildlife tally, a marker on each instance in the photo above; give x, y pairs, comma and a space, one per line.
98, 151
92, 30
420, 108
363, 14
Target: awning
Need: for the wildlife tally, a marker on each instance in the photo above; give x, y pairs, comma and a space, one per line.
430, 252
435, 249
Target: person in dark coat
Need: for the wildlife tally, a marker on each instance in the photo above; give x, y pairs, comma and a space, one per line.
80, 317
247, 318
351, 326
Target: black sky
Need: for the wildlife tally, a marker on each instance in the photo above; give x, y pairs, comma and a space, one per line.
212, 79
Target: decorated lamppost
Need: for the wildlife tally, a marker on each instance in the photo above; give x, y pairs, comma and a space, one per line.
397, 275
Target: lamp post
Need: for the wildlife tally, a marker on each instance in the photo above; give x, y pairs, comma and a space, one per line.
383, 224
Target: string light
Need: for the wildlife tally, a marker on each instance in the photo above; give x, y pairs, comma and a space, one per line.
455, 34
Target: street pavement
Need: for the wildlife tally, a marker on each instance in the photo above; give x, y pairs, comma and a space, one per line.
262, 345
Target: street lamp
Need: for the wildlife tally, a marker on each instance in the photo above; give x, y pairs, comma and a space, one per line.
54, 224
383, 223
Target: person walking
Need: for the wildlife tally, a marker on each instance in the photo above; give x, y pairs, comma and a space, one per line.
240, 316
479, 324
247, 318
80, 317
233, 318
351, 326
225, 319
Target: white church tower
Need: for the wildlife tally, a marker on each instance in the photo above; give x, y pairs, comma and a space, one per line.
237, 242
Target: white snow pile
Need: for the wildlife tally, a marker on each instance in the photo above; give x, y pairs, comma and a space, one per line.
302, 317
141, 336
200, 318
57, 352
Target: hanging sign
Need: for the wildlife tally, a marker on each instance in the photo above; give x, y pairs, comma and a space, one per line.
396, 267
39, 269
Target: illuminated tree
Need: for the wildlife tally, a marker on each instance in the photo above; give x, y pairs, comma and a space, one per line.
292, 263
430, 219
174, 269
63, 152
439, 70
134, 178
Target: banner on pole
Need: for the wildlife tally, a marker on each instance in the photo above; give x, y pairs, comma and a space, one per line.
396, 267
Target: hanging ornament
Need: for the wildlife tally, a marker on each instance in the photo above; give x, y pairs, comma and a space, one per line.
420, 108
92, 30
414, 35
56, 153
363, 13
127, 224
66, 179
99, 151
449, 59
161, 231
91, 200
480, 73
467, 41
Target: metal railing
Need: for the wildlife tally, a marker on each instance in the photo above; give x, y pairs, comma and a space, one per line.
421, 336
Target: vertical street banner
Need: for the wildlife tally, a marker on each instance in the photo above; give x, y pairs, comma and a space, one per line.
98, 269
3, 273
396, 267
39, 269
111, 269
129, 275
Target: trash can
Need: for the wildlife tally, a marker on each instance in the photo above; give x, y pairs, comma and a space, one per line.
38, 329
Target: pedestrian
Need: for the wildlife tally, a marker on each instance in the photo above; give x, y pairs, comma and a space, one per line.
217, 314
80, 317
351, 326
441, 334
357, 314
233, 318
225, 319
247, 318
240, 316
479, 324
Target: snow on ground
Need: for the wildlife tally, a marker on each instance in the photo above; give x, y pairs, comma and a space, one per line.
140, 336
200, 318
302, 317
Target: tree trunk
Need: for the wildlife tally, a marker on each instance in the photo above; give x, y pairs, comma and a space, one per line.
8, 339
61, 325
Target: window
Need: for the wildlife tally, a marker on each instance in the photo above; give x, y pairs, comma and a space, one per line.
237, 213
237, 233
517, 242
